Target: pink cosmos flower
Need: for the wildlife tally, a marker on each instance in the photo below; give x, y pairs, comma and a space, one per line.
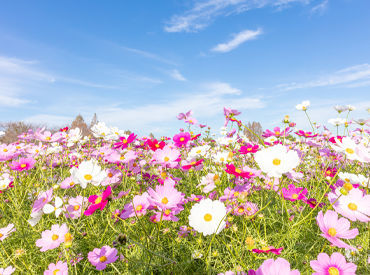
7, 270
101, 257
182, 116
336, 264
60, 268
209, 182
181, 139
51, 239
228, 112
305, 134
98, 202
123, 143
113, 176
335, 229
280, 266
42, 199
354, 206
5, 231
23, 164
165, 196
198, 165
75, 207
67, 183
276, 132
167, 157
294, 193
139, 205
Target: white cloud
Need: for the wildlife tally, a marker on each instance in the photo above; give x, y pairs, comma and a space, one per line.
146, 54
237, 40
351, 76
175, 74
320, 8
11, 101
204, 13
207, 103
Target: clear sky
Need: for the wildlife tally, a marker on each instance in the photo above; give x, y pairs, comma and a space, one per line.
137, 64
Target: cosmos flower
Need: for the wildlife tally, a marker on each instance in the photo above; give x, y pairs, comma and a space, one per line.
276, 160
7, 270
208, 217
336, 264
6, 231
165, 196
23, 164
354, 205
303, 106
98, 202
294, 193
88, 172
181, 139
334, 229
60, 268
280, 266
51, 239
101, 257
124, 142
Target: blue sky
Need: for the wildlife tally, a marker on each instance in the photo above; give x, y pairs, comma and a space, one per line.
137, 64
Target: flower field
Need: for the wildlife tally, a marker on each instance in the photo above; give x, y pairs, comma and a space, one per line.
287, 202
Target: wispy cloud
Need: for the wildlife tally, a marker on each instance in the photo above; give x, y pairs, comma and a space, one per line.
237, 40
12, 101
175, 74
148, 55
203, 13
358, 75
206, 103
320, 8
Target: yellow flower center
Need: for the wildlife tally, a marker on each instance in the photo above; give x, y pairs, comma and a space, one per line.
5, 150
88, 177
54, 237
55, 272
333, 271
164, 175
277, 133
332, 232
352, 206
1, 235
347, 186
249, 149
164, 200
23, 165
166, 159
222, 159
125, 141
216, 177
241, 210
71, 183
193, 163
98, 200
199, 151
182, 139
76, 207
139, 207
276, 162
68, 237
207, 217
350, 151
157, 145
238, 170
295, 196
48, 138
102, 259
110, 175
167, 212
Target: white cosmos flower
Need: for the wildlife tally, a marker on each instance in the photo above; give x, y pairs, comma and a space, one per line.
4, 183
35, 218
199, 151
354, 178
222, 157
88, 172
208, 217
337, 121
340, 108
303, 106
100, 130
346, 146
57, 208
351, 108
276, 160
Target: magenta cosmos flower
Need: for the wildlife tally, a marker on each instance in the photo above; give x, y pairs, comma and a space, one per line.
60, 268
279, 266
101, 257
334, 265
334, 229
23, 164
123, 143
294, 193
51, 239
181, 139
98, 202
